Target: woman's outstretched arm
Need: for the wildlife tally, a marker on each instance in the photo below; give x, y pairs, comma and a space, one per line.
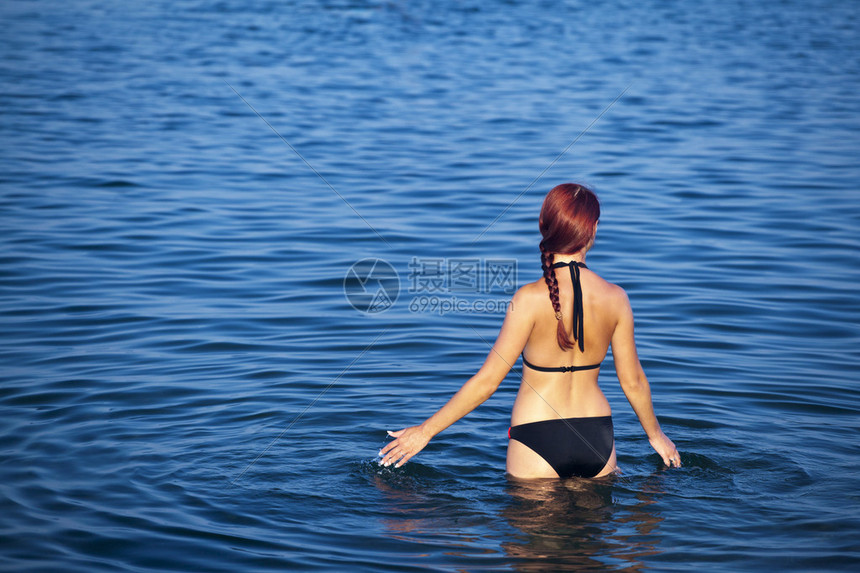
510, 343
635, 384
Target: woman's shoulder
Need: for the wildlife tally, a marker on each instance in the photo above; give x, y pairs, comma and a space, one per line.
610, 290
531, 291
530, 296
613, 298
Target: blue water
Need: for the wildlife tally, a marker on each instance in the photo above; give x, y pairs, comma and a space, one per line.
184, 385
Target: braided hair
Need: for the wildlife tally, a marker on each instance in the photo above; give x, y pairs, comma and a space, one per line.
546, 260
567, 223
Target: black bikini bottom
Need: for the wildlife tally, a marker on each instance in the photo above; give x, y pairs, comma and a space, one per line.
572, 446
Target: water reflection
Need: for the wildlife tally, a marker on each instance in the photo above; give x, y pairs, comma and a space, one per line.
539, 524
430, 516
581, 524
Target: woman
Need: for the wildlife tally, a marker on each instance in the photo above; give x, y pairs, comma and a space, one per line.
563, 325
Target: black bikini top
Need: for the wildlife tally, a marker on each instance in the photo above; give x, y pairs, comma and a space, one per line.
578, 331
559, 368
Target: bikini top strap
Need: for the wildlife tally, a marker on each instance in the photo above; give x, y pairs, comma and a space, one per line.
559, 368
578, 329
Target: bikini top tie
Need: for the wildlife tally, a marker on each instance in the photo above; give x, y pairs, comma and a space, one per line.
578, 329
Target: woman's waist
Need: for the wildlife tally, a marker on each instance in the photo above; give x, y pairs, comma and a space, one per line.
533, 406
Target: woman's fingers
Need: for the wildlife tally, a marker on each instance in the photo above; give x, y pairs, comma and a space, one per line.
385, 455
403, 460
397, 456
387, 448
673, 459
667, 451
407, 442
394, 450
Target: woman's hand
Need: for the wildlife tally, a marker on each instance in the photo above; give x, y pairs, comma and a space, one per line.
667, 450
406, 444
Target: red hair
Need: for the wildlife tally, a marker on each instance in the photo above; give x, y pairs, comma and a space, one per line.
568, 221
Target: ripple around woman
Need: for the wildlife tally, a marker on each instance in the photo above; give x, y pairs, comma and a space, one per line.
563, 325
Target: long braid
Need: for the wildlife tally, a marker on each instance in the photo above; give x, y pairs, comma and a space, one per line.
546, 260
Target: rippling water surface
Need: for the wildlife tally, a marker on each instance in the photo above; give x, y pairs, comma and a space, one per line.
185, 385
